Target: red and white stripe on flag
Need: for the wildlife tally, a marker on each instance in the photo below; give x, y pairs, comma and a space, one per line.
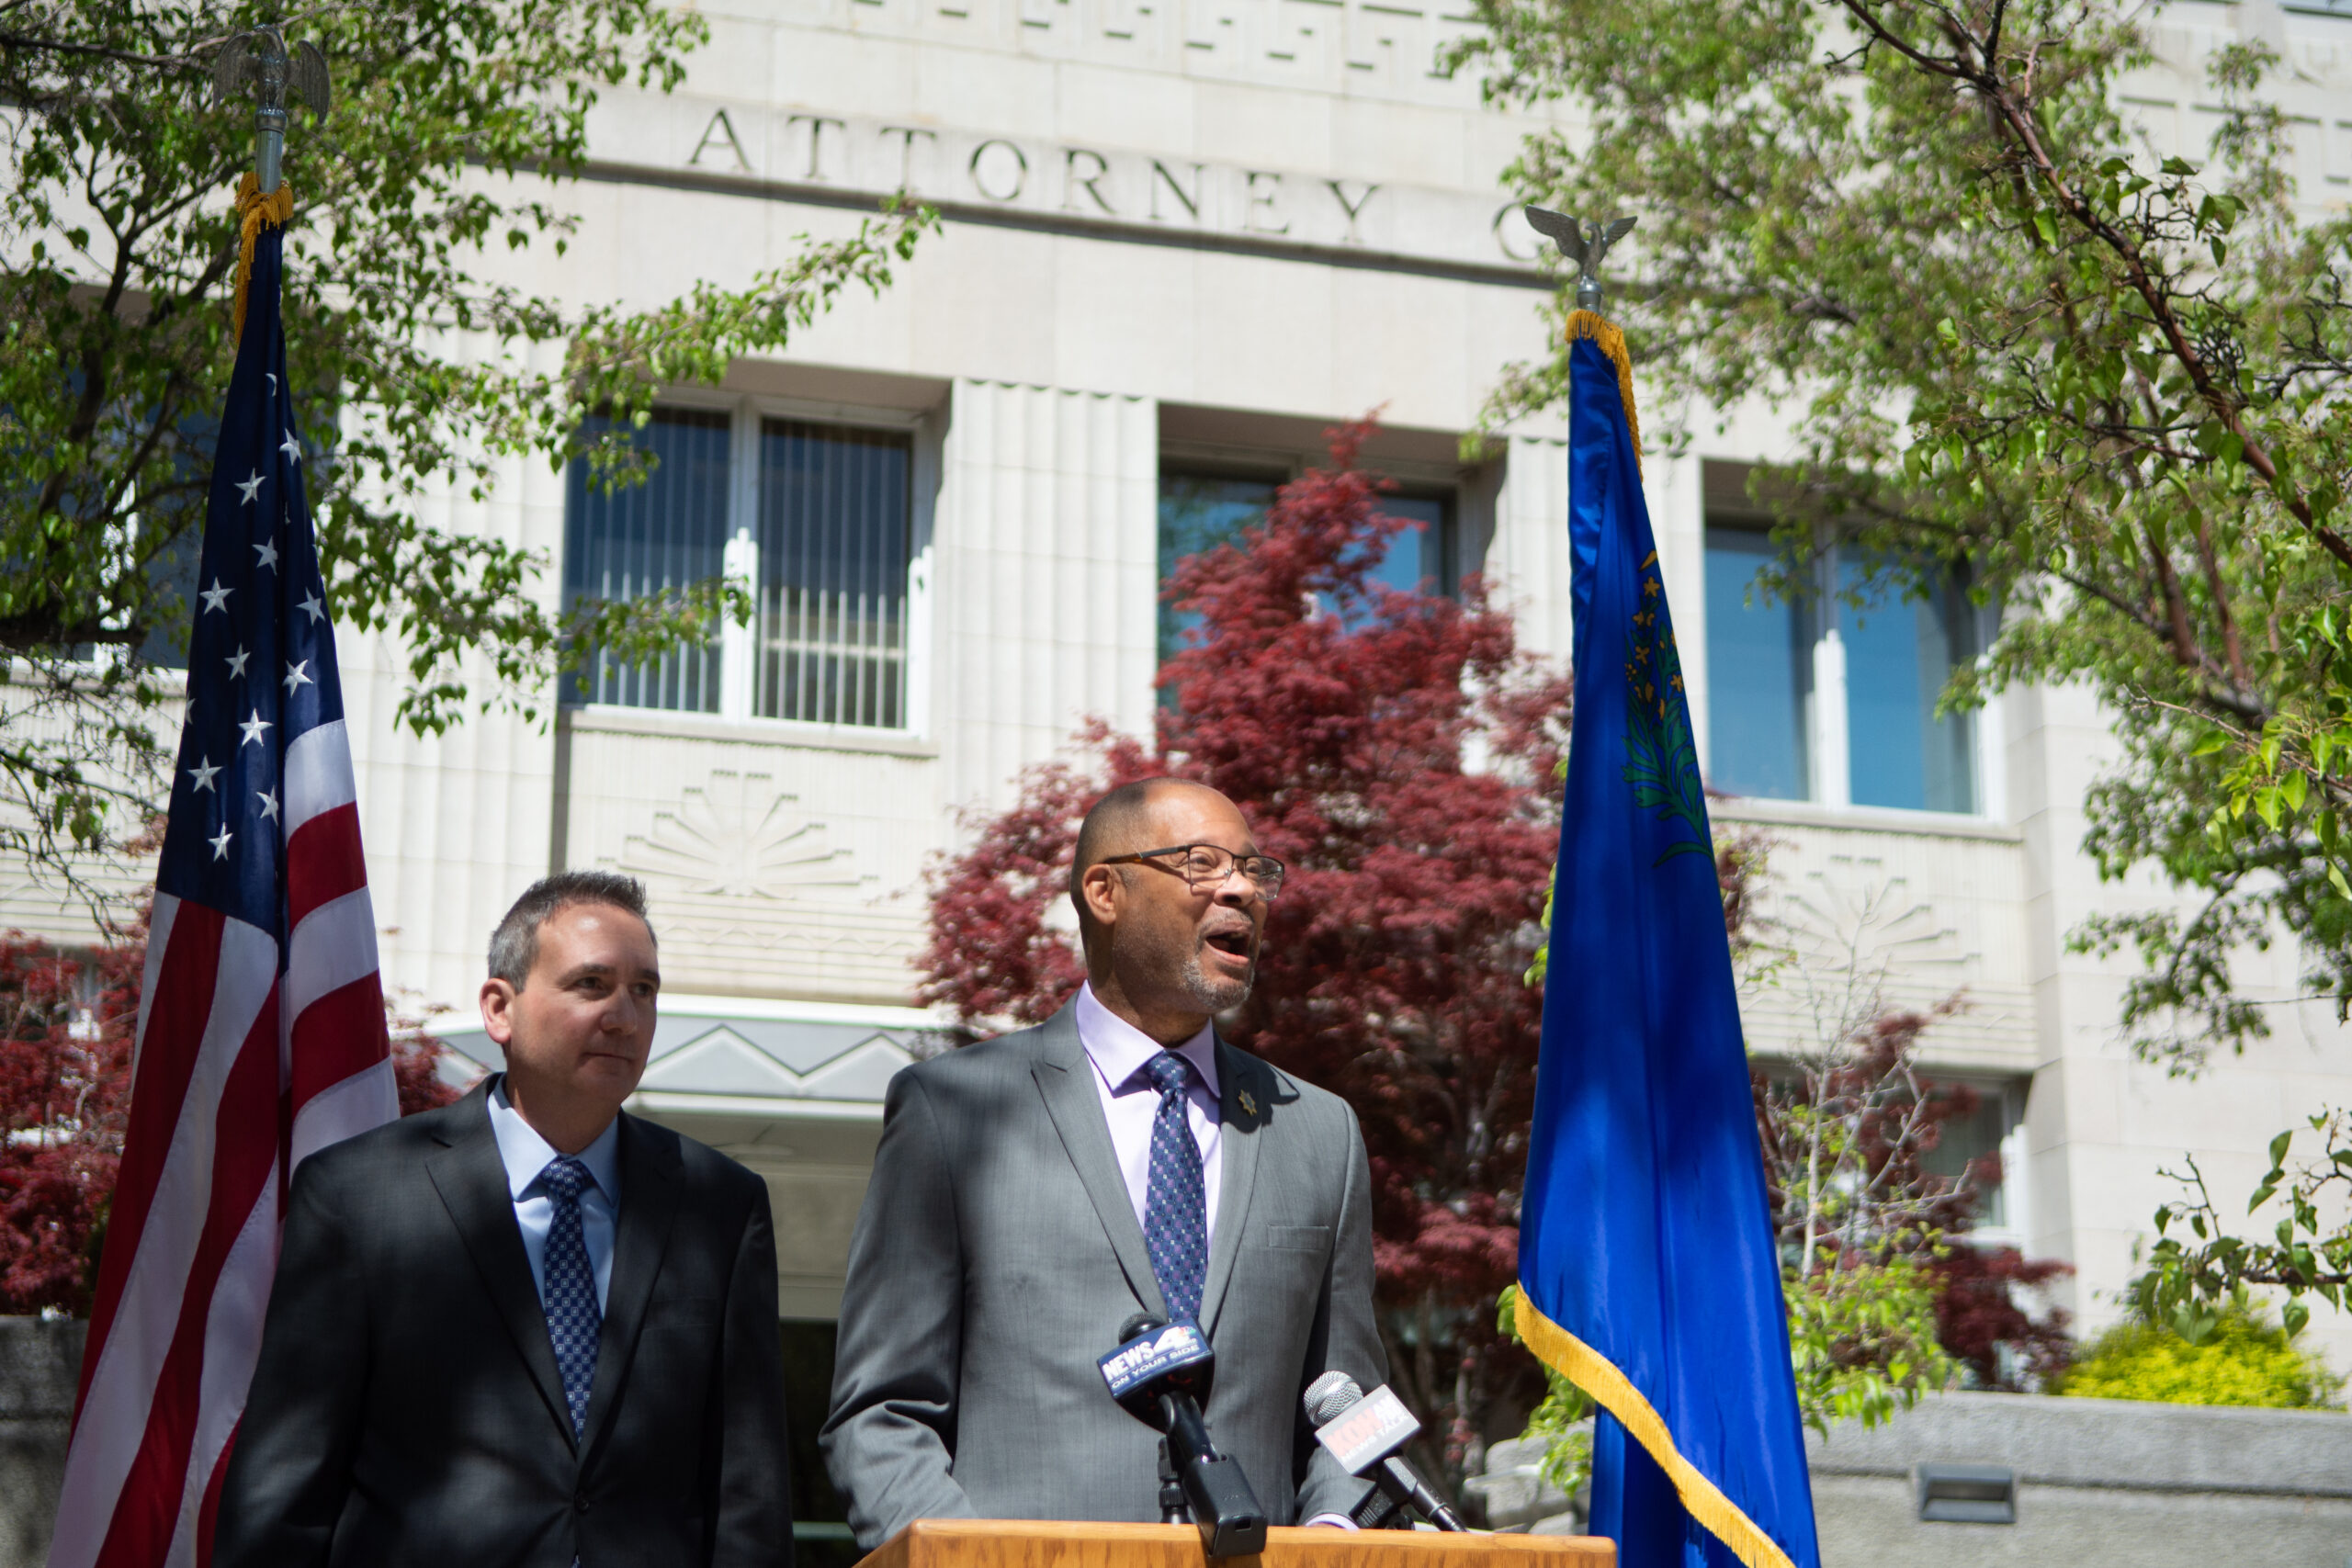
245, 1064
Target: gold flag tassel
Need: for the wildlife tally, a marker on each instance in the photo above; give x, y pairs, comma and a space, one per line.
1598, 1376
1586, 323
255, 213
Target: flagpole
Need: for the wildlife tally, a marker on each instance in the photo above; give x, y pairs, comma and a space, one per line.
1584, 244
1642, 1150
262, 59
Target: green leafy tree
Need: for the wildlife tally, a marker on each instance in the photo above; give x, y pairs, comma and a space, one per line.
455, 127
2105, 390
2195, 1280
2240, 1359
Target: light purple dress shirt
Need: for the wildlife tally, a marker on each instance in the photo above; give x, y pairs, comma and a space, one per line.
1119, 1050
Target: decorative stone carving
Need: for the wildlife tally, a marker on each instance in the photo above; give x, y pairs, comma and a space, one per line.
738, 837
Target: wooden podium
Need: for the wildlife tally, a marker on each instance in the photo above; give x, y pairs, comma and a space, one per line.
1031, 1543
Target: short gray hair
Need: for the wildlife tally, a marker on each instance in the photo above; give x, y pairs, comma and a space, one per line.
514, 946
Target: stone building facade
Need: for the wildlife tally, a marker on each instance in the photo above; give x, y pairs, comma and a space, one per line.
1182, 238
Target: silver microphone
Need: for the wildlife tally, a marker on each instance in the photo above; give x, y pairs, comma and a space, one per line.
1329, 1395
1329, 1400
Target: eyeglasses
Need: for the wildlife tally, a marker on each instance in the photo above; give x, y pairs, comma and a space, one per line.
1205, 867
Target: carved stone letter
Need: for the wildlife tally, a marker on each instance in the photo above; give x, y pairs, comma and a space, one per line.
1020, 173
720, 132
1354, 210
1160, 176
1256, 196
1073, 181
1506, 230
817, 124
907, 134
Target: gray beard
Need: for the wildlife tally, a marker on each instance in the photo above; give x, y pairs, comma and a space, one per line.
1215, 995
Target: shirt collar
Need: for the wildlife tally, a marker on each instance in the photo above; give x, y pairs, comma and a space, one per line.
524, 1154
1118, 1049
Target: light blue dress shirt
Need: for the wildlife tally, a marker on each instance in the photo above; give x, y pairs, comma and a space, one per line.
524, 1155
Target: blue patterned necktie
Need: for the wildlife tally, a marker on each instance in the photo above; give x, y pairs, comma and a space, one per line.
1175, 1206
574, 1321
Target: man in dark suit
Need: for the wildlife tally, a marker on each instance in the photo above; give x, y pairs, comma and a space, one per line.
526, 1329
1032, 1192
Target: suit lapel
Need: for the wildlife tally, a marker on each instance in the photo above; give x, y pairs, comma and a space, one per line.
1242, 1097
471, 1180
1066, 1079
649, 1205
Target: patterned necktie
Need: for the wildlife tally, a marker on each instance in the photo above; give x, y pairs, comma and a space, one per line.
1175, 1207
574, 1320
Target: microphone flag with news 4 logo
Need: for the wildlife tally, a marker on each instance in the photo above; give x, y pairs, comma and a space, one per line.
1648, 1269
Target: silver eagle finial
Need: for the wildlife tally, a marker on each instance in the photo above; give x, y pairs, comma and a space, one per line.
262, 58
1584, 244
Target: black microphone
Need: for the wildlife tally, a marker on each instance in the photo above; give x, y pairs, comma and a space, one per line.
1160, 1375
1366, 1434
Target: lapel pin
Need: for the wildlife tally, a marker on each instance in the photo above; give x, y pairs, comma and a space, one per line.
1248, 1104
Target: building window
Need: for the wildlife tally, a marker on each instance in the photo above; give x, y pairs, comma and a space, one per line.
1200, 510
834, 545
815, 519
1900, 651
1420, 557
1978, 1148
1759, 673
667, 534
1832, 697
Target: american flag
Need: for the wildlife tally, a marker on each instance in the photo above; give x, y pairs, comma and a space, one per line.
261, 1024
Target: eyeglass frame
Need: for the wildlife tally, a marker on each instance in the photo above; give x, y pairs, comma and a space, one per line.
1147, 857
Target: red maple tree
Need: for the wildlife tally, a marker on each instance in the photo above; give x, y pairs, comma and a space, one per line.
1397, 749
66, 1023
68, 1020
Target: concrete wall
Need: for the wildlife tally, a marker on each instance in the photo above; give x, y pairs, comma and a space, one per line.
38, 1362
2100, 1483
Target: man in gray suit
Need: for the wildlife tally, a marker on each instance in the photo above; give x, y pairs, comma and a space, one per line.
1033, 1192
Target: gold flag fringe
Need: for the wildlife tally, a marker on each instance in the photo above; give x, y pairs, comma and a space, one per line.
1598, 1376
1585, 323
255, 213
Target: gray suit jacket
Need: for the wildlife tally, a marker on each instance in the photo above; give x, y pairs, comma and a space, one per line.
998, 1254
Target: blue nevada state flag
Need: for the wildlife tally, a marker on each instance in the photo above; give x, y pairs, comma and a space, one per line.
1646, 1258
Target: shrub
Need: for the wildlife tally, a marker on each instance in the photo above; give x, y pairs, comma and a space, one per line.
2247, 1359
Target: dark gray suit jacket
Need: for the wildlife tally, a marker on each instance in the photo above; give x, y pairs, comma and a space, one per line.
407, 1408
998, 1254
